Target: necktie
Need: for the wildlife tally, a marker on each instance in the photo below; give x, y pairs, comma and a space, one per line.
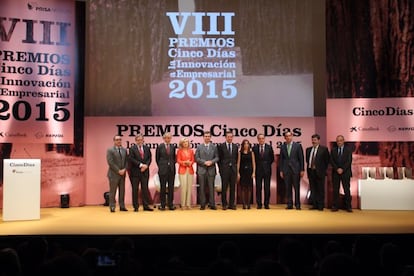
313, 159
288, 149
340, 152
141, 152
168, 149
229, 147
120, 155
261, 150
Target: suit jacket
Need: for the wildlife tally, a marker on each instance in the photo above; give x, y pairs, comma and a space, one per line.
227, 160
344, 162
115, 161
264, 164
322, 159
165, 162
293, 163
203, 154
183, 156
135, 160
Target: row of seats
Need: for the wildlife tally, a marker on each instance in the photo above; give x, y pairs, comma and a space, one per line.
240, 255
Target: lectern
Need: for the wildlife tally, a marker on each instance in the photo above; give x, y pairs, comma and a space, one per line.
21, 189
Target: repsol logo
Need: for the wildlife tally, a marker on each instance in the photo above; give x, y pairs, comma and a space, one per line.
387, 111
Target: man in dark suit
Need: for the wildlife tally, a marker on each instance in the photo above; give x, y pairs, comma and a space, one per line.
206, 157
292, 169
140, 160
264, 157
165, 158
116, 157
228, 153
341, 161
317, 161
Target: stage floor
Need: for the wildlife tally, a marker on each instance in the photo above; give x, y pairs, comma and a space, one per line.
97, 220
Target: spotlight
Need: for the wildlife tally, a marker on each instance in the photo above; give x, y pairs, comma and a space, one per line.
64, 201
106, 197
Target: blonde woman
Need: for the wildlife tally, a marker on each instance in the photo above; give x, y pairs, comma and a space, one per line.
185, 160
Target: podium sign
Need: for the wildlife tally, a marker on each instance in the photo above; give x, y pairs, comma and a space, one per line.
21, 189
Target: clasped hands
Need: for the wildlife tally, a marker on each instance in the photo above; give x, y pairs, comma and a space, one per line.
143, 167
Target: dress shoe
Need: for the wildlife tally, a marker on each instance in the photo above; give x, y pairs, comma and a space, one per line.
213, 207
334, 209
224, 207
123, 209
161, 208
349, 210
248, 206
148, 209
320, 209
313, 208
267, 207
233, 207
112, 209
244, 207
259, 206
202, 207
135, 209
172, 208
289, 208
298, 208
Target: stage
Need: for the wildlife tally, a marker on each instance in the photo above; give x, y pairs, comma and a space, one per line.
98, 220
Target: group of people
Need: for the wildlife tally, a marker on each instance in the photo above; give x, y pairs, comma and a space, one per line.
246, 164
317, 160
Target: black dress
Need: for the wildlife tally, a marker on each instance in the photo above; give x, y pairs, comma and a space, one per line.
246, 169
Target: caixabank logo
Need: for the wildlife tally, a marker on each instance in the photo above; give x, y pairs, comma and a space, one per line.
362, 129
4, 134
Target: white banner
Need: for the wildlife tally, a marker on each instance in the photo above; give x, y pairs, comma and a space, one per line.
101, 130
371, 120
37, 56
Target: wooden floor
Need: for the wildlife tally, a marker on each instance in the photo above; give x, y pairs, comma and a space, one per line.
97, 220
